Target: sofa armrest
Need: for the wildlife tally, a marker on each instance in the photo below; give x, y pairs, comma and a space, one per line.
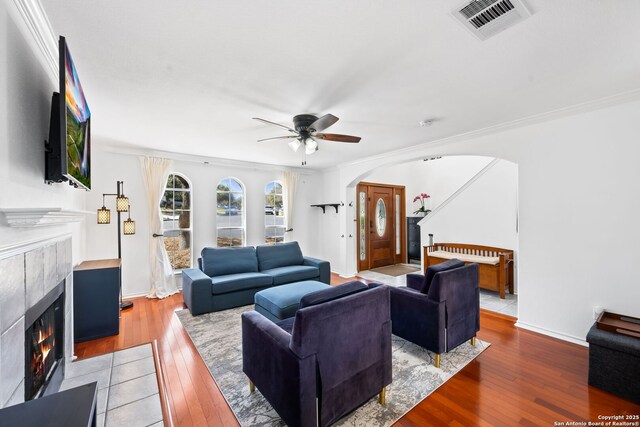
196, 290
285, 380
415, 281
323, 266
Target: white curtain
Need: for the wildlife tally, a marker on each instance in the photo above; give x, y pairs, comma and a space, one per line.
289, 182
155, 173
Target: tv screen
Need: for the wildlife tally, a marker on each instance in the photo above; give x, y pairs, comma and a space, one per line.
75, 123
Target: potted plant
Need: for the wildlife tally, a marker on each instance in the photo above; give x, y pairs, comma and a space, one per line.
422, 210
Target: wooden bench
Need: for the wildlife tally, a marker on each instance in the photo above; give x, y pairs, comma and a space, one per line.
495, 264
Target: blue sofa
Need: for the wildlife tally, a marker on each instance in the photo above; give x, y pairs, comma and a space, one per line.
329, 359
230, 277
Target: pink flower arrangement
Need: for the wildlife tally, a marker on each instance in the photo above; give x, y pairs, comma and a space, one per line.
422, 197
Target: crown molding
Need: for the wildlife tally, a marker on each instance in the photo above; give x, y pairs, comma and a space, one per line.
421, 149
43, 38
195, 158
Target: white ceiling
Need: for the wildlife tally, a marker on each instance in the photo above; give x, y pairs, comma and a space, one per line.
188, 76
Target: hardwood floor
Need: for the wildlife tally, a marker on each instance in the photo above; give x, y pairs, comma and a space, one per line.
522, 379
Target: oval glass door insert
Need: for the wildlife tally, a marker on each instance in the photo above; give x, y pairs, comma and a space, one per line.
381, 217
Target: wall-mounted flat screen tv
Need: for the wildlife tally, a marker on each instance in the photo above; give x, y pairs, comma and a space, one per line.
69, 147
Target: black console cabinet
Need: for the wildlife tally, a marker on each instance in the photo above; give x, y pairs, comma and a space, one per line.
413, 238
96, 299
75, 407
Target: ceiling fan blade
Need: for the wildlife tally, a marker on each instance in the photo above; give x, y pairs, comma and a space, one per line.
337, 137
273, 123
278, 137
323, 122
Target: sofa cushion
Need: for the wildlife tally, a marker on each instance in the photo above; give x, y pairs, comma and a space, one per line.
281, 302
332, 293
238, 282
432, 270
282, 255
292, 273
479, 259
224, 261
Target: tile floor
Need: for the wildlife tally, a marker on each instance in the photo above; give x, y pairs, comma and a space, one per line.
488, 300
127, 386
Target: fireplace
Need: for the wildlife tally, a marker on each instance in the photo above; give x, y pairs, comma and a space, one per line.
44, 344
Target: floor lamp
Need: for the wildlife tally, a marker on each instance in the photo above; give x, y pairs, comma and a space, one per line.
129, 226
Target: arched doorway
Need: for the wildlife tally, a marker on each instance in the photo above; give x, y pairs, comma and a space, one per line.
473, 200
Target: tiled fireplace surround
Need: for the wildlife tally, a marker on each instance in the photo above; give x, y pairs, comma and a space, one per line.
27, 274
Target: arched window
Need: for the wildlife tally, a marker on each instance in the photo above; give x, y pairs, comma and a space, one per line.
177, 221
230, 213
274, 225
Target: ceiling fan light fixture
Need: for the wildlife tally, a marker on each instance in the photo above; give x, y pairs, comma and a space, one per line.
295, 144
305, 132
310, 146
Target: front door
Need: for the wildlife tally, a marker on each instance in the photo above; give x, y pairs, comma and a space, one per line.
381, 217
381, 235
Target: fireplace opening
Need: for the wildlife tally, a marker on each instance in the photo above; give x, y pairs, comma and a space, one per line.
44, 347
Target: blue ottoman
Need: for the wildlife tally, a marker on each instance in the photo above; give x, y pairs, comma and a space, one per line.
281, 302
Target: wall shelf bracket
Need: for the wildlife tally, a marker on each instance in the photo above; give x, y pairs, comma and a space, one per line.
323, 206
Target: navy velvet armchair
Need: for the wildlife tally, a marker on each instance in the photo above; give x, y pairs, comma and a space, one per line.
440, 310
338, 352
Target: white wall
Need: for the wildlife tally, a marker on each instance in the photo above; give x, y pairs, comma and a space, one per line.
25, 107
578, 192
439, 178
484, 213
111, 167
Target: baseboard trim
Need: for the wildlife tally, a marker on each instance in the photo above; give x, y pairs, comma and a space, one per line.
499, 315
552, 334
344, 275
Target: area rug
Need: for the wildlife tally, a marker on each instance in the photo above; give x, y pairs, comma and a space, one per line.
218, 338
396, 270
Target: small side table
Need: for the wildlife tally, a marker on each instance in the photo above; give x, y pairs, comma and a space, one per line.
96, 299
75, 407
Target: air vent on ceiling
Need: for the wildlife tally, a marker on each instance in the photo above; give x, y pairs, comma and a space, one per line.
485, 18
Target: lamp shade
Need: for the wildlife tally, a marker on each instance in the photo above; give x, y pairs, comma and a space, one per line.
310, 146
122, 203
295, 144
104, 215
129, 227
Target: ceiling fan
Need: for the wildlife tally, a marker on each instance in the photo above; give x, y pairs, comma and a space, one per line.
306, 132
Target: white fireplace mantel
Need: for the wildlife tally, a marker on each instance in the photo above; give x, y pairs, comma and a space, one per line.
41, 217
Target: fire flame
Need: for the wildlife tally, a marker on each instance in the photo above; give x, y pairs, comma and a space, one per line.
44, 346
45, 351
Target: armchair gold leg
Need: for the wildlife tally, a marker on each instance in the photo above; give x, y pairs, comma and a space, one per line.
473, 341
437, 361
252, 387
383, 396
